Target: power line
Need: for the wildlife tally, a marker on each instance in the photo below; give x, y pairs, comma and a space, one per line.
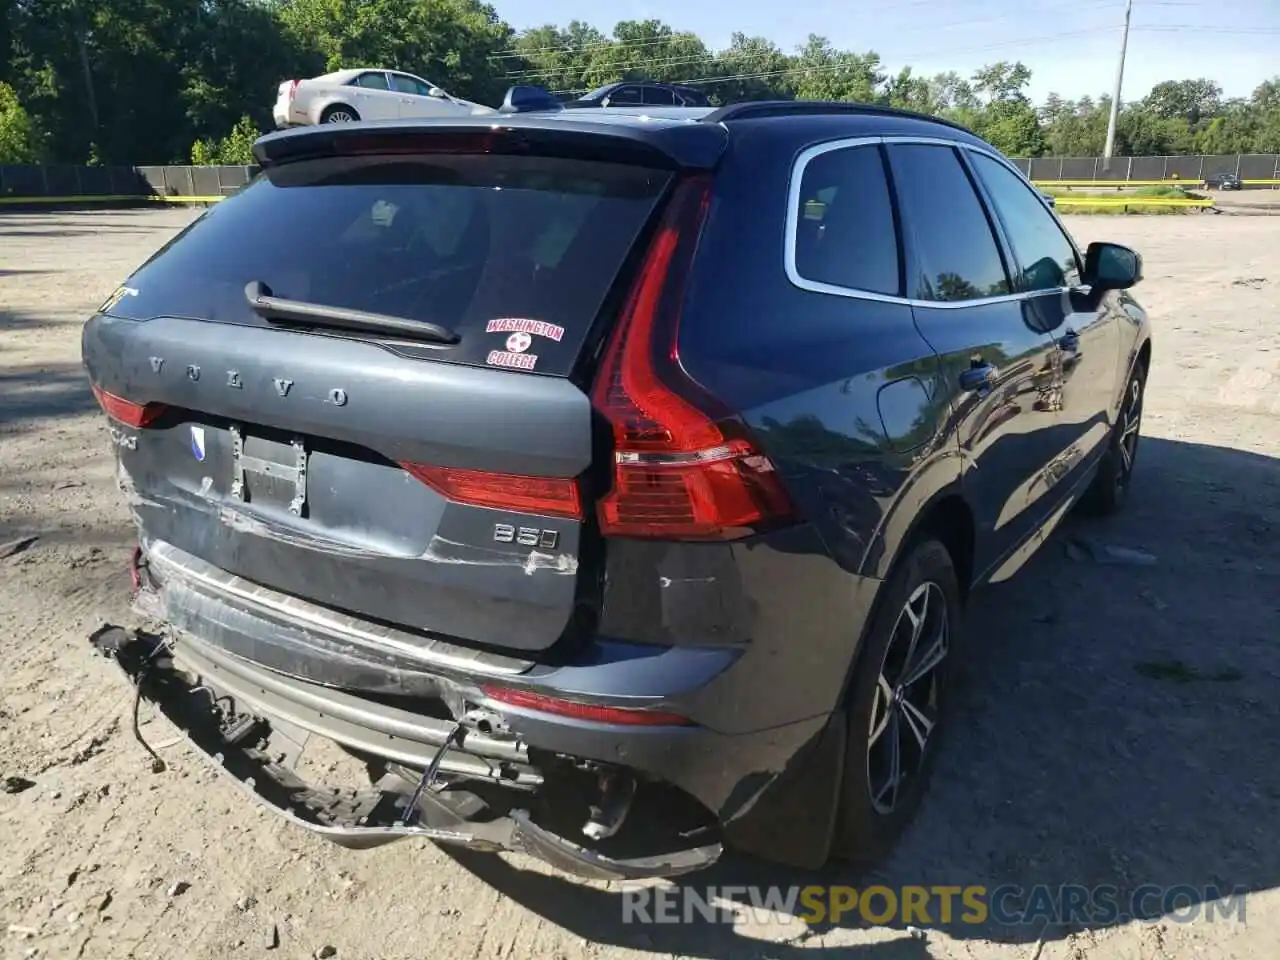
517, 52
709, 58
823, 68
1197, 28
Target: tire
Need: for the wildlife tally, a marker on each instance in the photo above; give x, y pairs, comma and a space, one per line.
339, 113
1110, 488
872, 815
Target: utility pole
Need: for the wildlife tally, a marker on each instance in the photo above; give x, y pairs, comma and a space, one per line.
1115, 96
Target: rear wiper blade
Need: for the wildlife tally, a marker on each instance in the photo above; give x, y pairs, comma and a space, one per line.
278, 309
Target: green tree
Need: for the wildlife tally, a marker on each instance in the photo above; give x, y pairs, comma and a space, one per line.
910, 92
752, 68
648, 50
18, 138
236, 148
1008, 119
821, 72
550, 57
1186, 99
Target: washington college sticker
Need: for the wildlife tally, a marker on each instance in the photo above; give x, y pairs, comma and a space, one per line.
535, 328
520, 338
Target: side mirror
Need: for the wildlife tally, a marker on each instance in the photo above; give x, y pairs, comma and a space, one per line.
1109, 266
436, 92
1049, 199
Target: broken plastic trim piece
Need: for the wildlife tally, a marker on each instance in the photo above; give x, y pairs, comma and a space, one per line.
365, 818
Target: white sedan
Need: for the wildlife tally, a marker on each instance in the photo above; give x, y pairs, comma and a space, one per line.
366, 94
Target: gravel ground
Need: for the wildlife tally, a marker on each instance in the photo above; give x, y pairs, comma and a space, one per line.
1118, 724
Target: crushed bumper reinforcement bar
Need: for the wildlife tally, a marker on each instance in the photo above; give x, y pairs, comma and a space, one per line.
239, 746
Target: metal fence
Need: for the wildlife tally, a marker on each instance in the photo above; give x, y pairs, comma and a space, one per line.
64, 183
1255, 169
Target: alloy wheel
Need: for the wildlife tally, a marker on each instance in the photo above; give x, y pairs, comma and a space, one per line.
340, 116
904, 713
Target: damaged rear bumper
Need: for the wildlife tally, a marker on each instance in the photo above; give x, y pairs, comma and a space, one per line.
521, 775
211, 698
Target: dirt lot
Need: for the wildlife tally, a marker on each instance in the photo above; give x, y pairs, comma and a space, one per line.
1119, 724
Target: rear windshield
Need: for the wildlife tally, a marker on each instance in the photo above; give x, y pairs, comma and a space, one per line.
515, 254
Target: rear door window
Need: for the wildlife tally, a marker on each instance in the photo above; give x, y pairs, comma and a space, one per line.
488, 246
625, 96
659, 97
958, 256
372, 81
845, 233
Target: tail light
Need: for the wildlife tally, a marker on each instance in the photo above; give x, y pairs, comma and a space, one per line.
131, 414
293, 89
597, 713
684, 466
543, 496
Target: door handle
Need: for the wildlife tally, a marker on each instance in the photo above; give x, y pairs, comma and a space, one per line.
979, 377
405, 100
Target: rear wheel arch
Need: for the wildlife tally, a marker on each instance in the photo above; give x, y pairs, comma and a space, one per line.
947, 518
950, 521
334, 106
1144, 356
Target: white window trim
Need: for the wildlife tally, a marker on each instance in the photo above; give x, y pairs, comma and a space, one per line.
793, 225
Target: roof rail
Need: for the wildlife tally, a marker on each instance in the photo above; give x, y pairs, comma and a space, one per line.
755, 109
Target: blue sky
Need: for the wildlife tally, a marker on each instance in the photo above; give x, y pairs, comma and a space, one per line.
1071, 48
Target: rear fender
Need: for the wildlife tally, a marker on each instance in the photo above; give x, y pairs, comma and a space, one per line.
320, 102
890, 551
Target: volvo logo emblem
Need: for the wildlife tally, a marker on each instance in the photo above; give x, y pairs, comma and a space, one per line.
156, 364
338, 397
193, 372
282, 386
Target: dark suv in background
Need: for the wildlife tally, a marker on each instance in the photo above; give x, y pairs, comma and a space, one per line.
609, 486
640, 94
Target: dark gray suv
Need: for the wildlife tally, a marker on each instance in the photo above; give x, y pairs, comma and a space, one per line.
609, 486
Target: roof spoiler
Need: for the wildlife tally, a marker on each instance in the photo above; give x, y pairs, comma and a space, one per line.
525, 98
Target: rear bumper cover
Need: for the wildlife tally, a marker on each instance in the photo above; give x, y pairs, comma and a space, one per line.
254, 753
767, 786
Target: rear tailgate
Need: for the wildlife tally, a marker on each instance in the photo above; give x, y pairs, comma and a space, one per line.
439, 487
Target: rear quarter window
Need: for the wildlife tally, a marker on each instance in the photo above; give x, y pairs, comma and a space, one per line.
845, 235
